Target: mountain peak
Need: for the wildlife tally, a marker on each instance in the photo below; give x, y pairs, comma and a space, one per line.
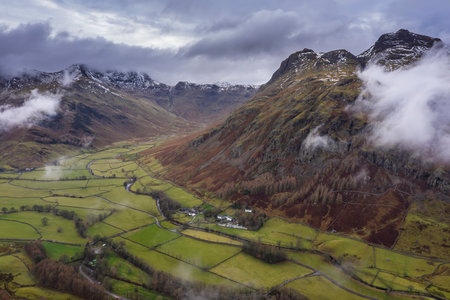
307, 59
403, 38
294, 60
399, 48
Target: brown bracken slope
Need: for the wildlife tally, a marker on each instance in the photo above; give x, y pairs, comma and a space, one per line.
295, 150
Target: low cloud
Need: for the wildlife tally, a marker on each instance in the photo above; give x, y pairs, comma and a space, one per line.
36, 108
315, 140
68, 77
410, 107
53, 172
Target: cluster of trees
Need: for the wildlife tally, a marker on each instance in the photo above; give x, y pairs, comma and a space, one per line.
311, 193
11, 210
264, 184
286, 294
4, 295
35, 251
252, 221
80, 227
325, 187
323, 195
56, 275
167, 205
82, 177
267, 253
211, 212
95, 218
66, 214
36, 207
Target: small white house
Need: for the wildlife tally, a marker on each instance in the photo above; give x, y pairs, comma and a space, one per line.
225, 218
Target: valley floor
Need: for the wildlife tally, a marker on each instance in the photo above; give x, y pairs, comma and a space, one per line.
109, 190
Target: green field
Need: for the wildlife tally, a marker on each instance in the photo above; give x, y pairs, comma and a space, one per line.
134, 292
256, 273
151, 236
123, 269
212, 237
321, 264
169, 264
356, 253
184, 198
55, 250
103, 229
318, 287
13, 191
87, 202
403, 265
9, 175
50, 185
141, 202
114, 168
12, 264
16, 230
41, 293
387, 280
199, 253
49, 232
127, 219
53, 173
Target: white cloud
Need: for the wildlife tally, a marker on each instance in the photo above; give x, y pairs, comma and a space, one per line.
36, 108
315, 140
410, 107
68, 78
53, 172
83, 22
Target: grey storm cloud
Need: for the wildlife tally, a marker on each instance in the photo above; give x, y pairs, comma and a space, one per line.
31, 46
263, 32
199, 40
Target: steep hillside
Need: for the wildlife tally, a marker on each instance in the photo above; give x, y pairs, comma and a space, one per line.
297, 150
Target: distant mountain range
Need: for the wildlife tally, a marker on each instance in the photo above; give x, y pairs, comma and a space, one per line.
297, 150
98, 108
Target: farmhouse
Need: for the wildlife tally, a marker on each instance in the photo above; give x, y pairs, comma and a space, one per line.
225, 218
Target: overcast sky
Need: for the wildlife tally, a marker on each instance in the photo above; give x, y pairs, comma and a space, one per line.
237, 41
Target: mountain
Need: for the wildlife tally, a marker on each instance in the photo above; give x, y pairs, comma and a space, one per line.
204, 103
95, 108
89, 113
297, 151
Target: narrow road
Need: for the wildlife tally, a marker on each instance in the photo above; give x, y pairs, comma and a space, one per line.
115, 296
286, 282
